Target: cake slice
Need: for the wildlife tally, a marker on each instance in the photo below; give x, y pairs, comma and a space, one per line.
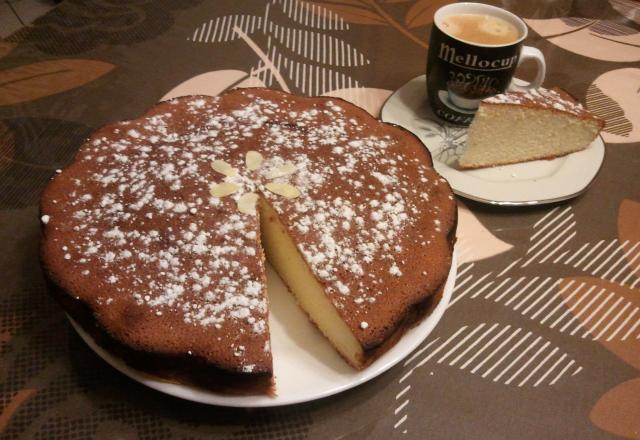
522, 126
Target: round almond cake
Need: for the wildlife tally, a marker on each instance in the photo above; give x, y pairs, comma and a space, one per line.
155, 237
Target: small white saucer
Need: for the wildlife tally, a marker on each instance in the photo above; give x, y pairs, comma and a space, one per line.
528, 183
306, 366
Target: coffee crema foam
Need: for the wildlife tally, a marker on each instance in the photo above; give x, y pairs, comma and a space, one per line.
479, 29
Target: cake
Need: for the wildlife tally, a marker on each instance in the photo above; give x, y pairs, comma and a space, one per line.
522, 126
154, 237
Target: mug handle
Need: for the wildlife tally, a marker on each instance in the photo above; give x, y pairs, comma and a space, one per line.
530, 53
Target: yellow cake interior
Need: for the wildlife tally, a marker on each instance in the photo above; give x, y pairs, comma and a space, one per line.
287, 261
504, 134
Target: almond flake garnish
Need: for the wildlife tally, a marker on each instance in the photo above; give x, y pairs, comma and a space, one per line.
224, 168
247, 203
253, 160
283, 189
223, 189
283, 170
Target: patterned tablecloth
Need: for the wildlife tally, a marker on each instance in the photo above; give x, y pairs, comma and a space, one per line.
542, 337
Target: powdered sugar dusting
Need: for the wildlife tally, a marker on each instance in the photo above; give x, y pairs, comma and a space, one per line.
145, 227
540, 97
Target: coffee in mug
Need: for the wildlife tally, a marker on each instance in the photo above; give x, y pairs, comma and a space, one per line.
478, 28
474, 51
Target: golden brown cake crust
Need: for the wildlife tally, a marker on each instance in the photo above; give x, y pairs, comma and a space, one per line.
135, 245
555, 100
167, 367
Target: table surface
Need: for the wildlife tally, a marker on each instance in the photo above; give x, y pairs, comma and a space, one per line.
542, 337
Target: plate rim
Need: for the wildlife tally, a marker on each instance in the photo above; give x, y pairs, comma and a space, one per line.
599, 140
388, 360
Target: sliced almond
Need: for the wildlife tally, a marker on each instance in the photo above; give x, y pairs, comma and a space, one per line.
253, 160
223, 168
247, 203
283, 189
223, 189
281, 171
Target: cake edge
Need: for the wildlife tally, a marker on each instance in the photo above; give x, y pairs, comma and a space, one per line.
163, 367
513, 162
583, 112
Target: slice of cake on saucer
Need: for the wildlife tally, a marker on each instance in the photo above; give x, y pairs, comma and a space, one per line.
522, 126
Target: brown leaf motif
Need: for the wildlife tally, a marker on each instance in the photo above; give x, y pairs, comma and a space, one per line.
616, 327
614, 96
629, 8
5, 337
629, 229
371, 12
616, 124
608, 313
7, 145
37, 80
13, 405
618, 409
6, 48
421, 12
598, 39
354, 11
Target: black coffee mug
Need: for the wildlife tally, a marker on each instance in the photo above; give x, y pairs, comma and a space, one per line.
461, 73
